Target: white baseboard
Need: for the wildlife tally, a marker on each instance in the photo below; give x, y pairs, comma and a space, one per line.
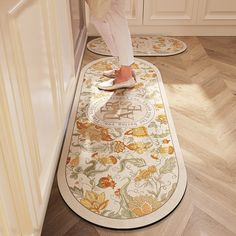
177, 30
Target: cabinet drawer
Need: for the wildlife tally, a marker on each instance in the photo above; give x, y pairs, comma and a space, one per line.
217, 12
168, 12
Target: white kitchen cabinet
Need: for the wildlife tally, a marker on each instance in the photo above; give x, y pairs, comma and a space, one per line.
134, 11
180, 17
168, 12
188, 17
37, 84
217, 12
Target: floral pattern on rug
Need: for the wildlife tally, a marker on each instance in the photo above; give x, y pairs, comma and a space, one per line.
144, 46
121, 171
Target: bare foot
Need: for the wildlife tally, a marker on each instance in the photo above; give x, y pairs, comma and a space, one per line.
123, 74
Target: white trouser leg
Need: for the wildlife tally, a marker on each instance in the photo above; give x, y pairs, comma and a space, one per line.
114, 30
104, 30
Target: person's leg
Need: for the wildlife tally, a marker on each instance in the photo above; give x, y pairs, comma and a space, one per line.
103, 28
120, 32
115, 32
122, 39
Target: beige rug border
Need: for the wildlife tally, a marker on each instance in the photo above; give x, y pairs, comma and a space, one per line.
139, 54
133, 223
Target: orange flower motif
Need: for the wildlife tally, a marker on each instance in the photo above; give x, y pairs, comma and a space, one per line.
94, 202
145, 174
106, 182
74, 162
105, 135
93, 132
154, 156
105, 160
81, 125
113, 159
119, 146
140, 148
165, 141
138, 132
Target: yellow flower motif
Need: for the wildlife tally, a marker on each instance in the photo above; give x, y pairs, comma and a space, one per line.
164, 150
145, 174
93, 132
154, 156
135, 66
101, 66
74, 162
94, 202
138, 132
171, 150
88, 82
143, 205
100, 95
138, 85
140, 148
150, 75
162, 119
110, 160
119, 146
159, 105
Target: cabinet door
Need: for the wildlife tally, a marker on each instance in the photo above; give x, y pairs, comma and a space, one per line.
217, 12
77, 18
36, 73
77, 12
169, 12
134, 11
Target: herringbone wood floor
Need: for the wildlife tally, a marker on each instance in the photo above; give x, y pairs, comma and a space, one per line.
200, 85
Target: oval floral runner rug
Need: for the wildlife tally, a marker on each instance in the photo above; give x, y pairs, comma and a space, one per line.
145, 45
121, 165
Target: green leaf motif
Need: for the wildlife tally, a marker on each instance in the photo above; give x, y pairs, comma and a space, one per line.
78, 191
105, 212
163, 135
174, 185
168, 166
139, 162
125, 213
74, 175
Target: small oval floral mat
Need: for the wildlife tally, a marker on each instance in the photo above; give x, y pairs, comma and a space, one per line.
121, 165
144, 46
